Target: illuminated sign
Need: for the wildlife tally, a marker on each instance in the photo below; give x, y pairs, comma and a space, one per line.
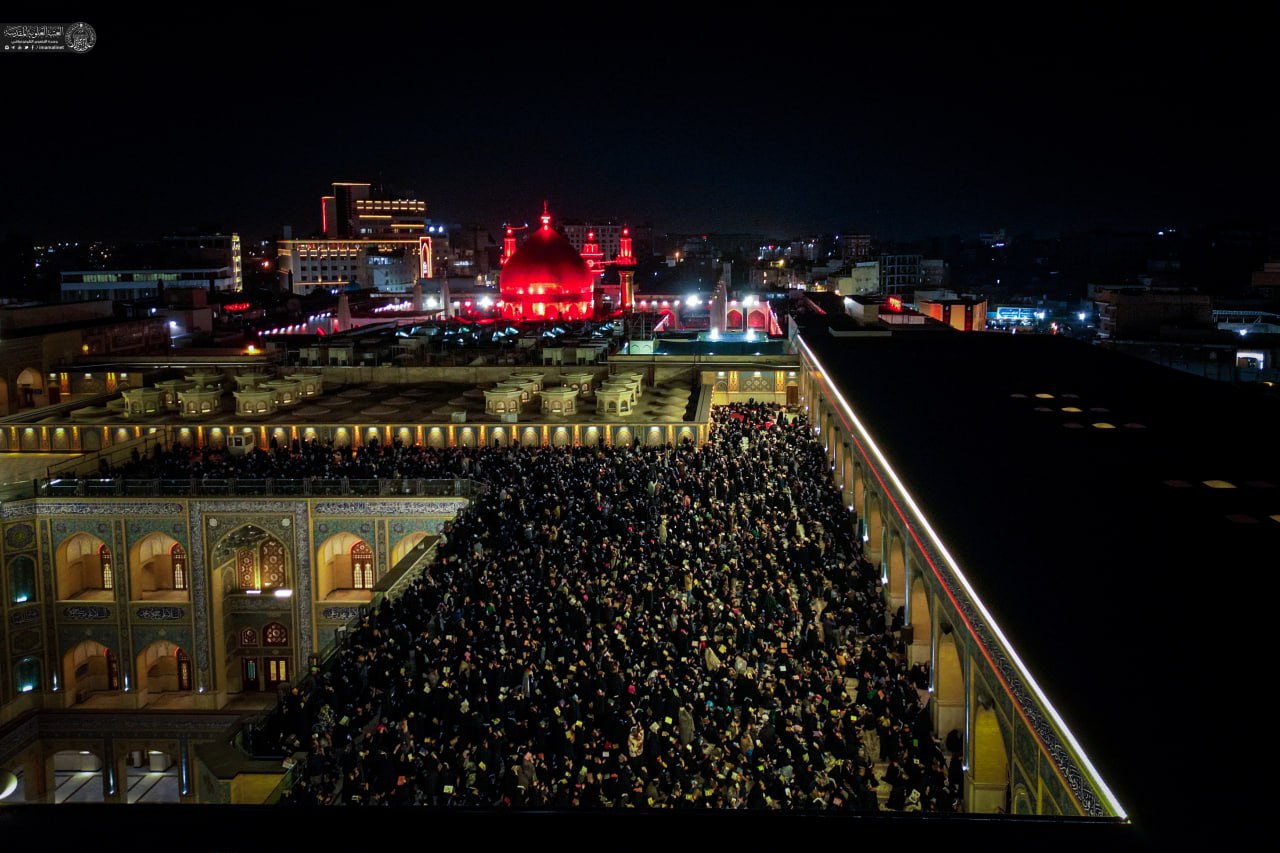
893, 303
1012, 314
424, 254
237, 306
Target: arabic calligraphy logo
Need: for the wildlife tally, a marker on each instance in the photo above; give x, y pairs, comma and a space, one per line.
81, 37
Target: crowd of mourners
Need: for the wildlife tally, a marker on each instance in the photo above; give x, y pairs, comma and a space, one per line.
690, 627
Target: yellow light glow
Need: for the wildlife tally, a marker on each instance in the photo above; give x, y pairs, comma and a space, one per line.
1071, 409
1104, 425
1045, 396
1219, 484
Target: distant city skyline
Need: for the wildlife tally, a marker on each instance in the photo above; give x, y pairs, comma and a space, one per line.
884, 126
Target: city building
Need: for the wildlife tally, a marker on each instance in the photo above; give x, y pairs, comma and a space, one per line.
1140, 312
351, 212
212, 263
899, 274
365, 243
962, 312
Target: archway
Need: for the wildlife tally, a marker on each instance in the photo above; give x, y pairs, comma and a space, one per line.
987, 789
158, 569
874, 545
948, 684
847, 486
498, 437
896, 571
88, 668
30, 385
756, 320
921, 646
406, 545
345, 563
78, 776
733, 320
624, 437
162, 667
859, 491
84, 569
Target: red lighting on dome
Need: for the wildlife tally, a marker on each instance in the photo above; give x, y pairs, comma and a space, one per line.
546, 268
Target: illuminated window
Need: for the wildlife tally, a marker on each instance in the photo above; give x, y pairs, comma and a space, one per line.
22, 580
275, 634
108, 576
361, 566
248, 637
277, 669
179, 559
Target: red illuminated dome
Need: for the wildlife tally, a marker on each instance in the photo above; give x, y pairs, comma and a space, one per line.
546, 278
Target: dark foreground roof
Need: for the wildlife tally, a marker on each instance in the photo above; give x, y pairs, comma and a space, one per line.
1131, 590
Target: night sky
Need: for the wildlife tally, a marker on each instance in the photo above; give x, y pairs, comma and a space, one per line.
783, 125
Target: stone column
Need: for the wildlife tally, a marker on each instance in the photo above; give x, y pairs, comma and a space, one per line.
38, 777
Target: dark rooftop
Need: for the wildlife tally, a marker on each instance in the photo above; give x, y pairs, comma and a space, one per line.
1115, 516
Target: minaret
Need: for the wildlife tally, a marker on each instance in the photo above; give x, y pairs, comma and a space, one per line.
592, 255
445, 299
508, 244
344, 312
418, 302
626, 264
719, 305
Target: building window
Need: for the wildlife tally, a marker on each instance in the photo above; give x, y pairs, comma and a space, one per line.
275, 634
179, 558
361, 566
108, 575
22, 580
27, 674
248, 637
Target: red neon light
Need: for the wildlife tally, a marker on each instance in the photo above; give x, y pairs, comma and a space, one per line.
894, 303
237, 306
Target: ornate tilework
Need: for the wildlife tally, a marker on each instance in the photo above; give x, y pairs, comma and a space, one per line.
159, 613
101, 506
407, 506
341, 614
24, 616
86, 611
19, 536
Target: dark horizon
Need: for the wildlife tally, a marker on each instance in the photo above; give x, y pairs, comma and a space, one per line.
886, 126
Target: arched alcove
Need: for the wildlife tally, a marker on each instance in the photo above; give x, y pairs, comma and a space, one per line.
987, 788
158, 569
344, 562
84, 569
920, 650
87, 668
162, 667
